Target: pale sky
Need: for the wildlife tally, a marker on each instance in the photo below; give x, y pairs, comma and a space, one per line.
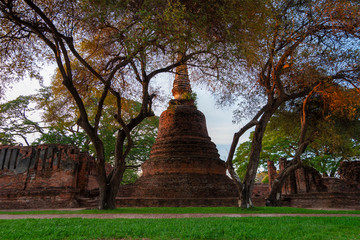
219, 121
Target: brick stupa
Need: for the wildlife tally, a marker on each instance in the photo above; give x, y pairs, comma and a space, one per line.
184, 168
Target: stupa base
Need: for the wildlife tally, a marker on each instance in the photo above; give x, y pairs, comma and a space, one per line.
179, 190
176, 202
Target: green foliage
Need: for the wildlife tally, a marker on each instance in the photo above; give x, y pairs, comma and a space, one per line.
335, 138
61, 114
241, 159
16, 121
57, 135
265, 180
59, 127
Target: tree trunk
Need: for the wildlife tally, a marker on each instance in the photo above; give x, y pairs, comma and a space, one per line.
107, 196
256, 146
109, 189
236, 179
274, 197
110, 197
102, 195
245, 196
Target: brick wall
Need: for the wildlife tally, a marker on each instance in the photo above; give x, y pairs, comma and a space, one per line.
306, 188
43, 176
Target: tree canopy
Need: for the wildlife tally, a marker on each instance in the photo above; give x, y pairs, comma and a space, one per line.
335, 139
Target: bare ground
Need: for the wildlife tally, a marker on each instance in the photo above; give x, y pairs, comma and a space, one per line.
154, 216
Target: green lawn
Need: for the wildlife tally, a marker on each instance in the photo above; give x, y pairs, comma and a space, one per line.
190, 210
184, 228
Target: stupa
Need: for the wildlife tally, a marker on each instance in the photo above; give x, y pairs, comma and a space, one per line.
184, 168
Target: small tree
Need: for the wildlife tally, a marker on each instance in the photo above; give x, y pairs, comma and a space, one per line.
16, 121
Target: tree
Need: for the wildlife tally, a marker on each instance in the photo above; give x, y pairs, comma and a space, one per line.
305, 44
60, 114
114, 47
117, 48
16, 121
61, 129
317, 114
336, 138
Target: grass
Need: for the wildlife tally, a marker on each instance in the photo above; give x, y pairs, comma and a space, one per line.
160, 210
190, 228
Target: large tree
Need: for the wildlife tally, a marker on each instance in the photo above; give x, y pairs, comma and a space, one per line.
117, 46
110, 50
304, 45
320, 119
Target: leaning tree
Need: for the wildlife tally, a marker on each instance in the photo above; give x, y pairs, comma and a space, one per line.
304, 46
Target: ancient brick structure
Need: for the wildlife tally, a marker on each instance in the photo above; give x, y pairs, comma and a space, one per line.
271, 172
181, 86
306, 188
350, 171
45, 176
184, 168
303, 180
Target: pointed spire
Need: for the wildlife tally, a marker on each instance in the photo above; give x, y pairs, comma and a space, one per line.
181, 87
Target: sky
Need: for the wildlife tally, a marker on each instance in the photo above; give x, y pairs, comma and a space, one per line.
219, 120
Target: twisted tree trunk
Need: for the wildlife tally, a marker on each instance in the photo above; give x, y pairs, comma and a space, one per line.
274, 197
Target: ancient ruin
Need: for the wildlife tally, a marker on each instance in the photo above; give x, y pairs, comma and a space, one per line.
58, 176
184, 168
307, 188
45, 176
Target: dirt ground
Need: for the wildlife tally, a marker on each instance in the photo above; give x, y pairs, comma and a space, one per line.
154, 216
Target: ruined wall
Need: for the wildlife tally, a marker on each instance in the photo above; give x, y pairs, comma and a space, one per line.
350, 171
43, 176
304, 180
306, 188
271, 172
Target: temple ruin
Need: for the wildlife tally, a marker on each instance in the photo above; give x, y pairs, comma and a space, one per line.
45, 176
184, 168
307, 188
60, 176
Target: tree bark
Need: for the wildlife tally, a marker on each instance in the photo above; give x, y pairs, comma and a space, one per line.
256, 146
245, 196
107, 196
109, 188
274, 197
